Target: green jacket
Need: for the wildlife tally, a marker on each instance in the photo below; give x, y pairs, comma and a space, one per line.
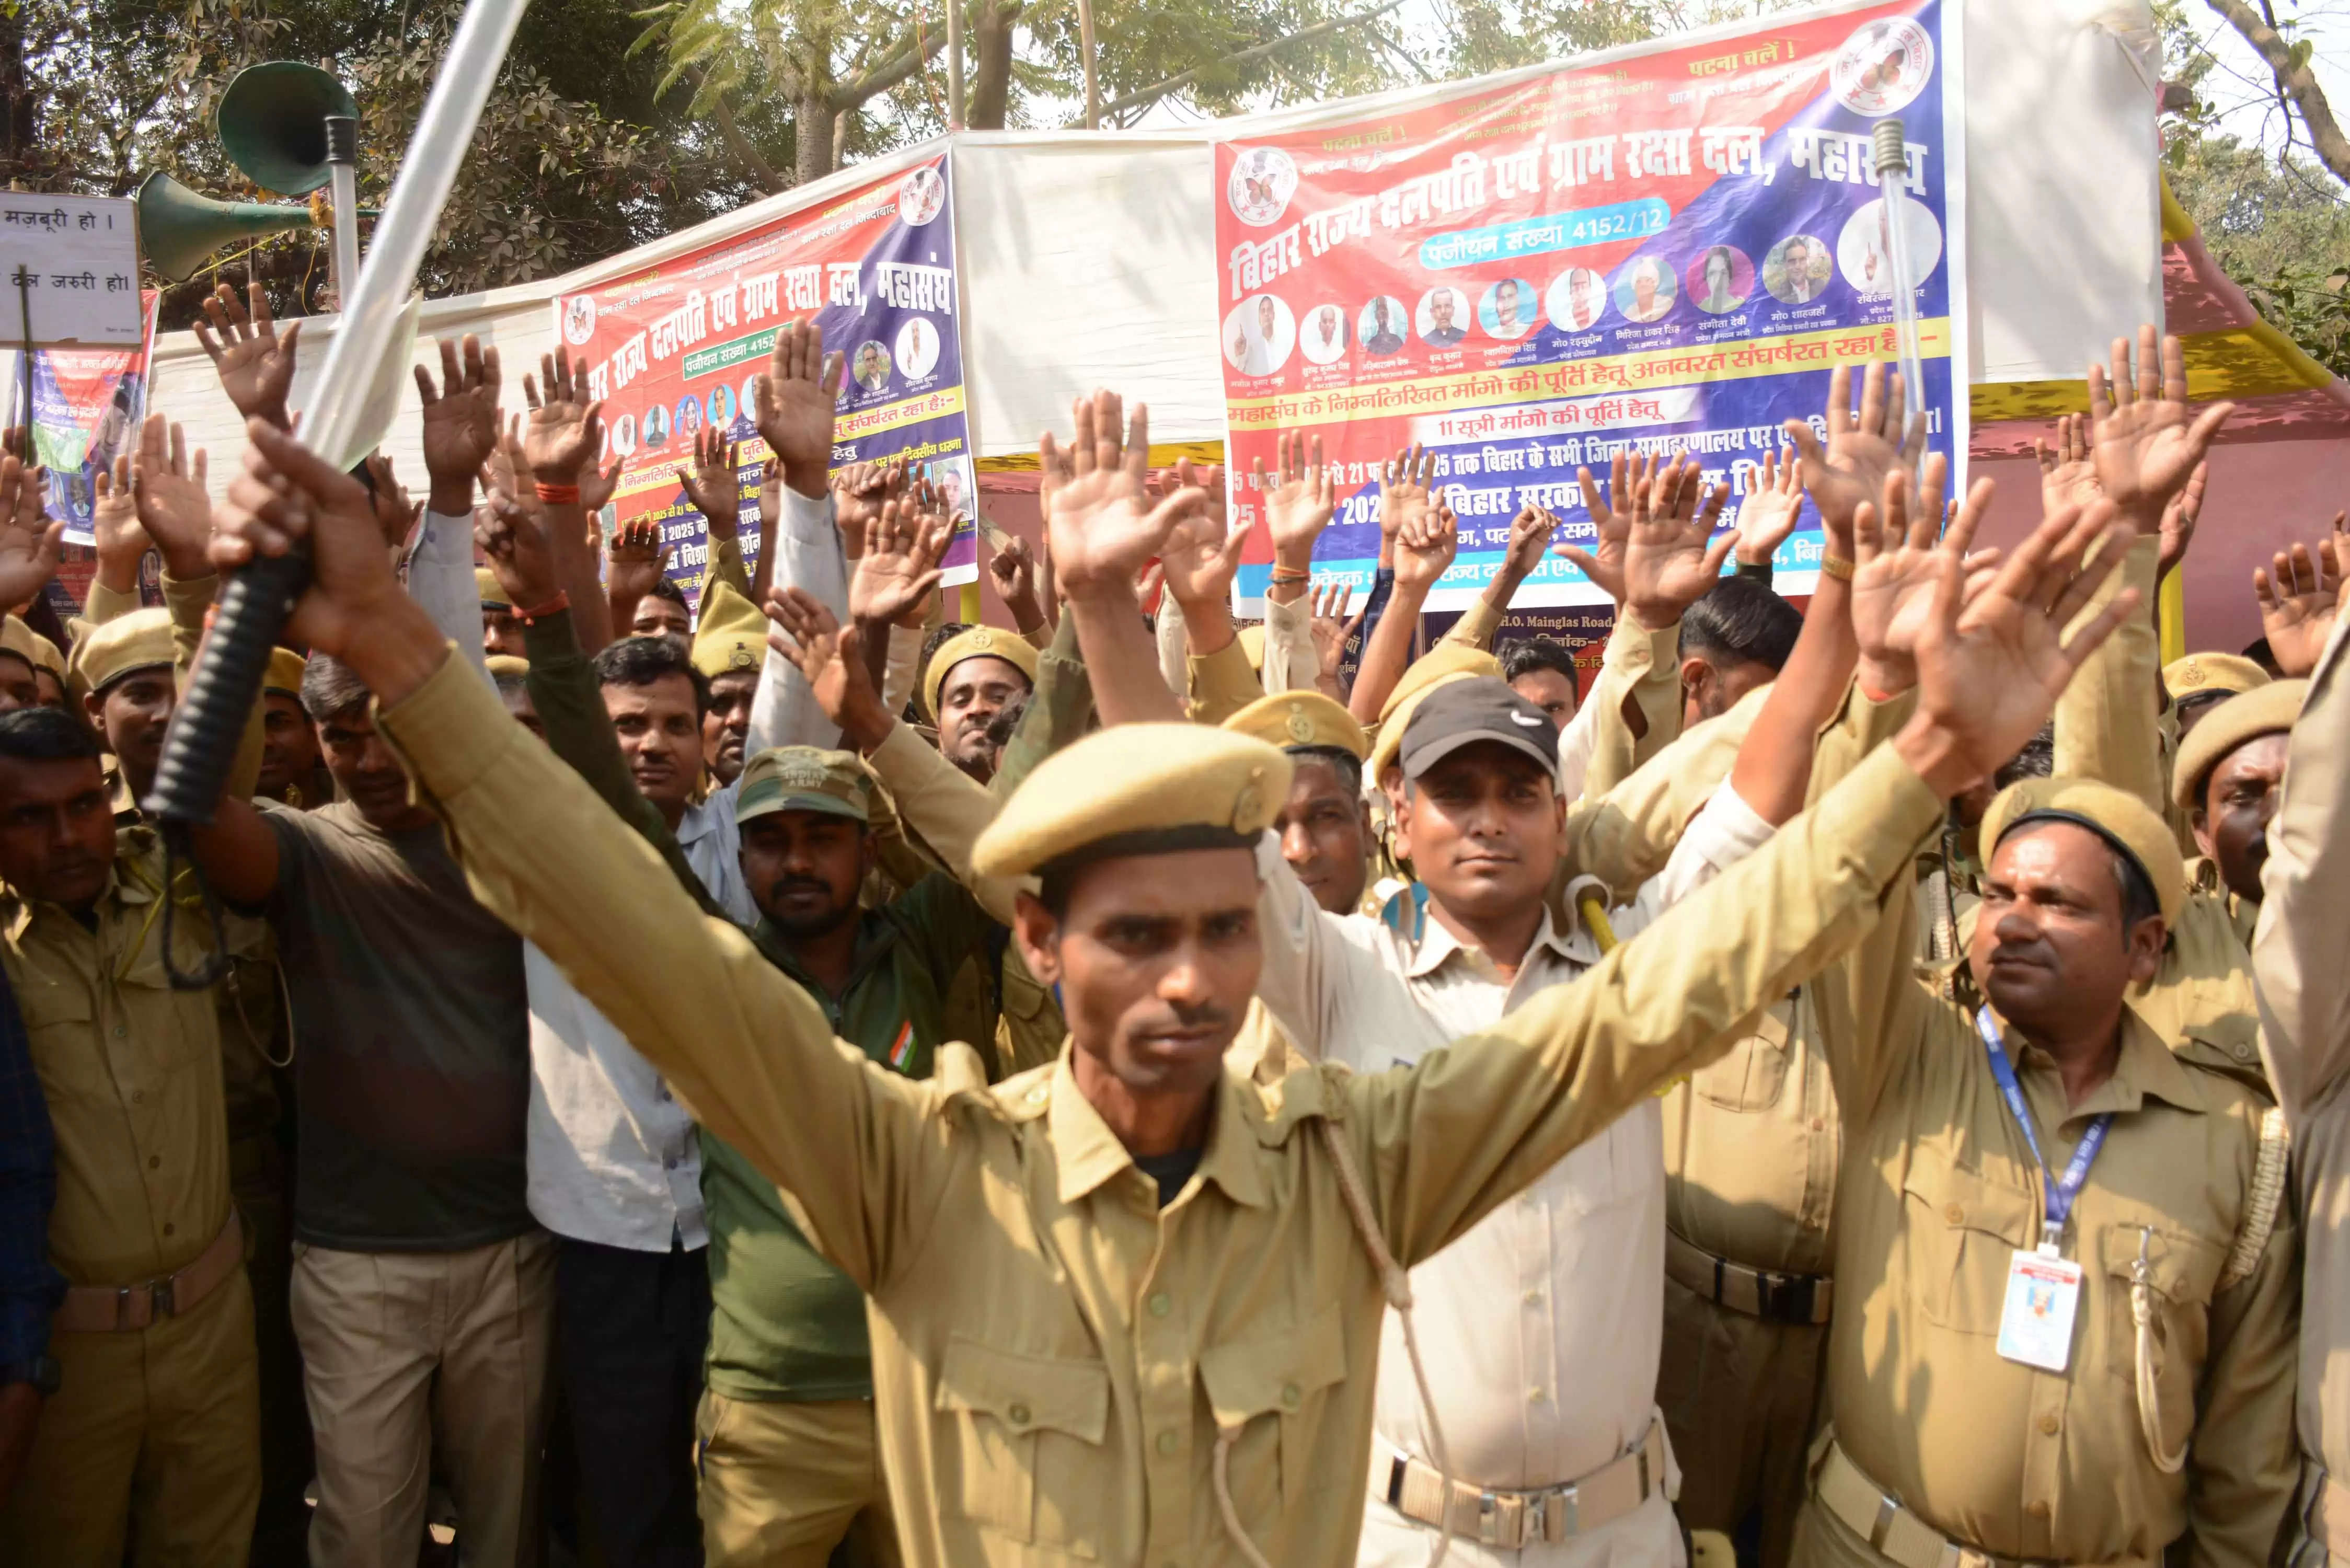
785, 1323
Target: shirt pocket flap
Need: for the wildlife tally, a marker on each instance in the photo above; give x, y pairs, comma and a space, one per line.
2184, 1269
1025, 1392
1965, 1201
1273, 1373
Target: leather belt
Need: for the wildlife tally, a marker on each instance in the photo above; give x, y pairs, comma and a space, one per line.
108, 1309
2328, 1510
1514, 1520
1899, 1535
1757, 1293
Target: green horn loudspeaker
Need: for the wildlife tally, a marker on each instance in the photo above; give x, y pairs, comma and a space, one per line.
178, 228
272, 123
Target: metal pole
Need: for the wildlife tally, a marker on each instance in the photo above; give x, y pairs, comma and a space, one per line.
954, 64
1092, 82
1892, 185
24, 304
343, 169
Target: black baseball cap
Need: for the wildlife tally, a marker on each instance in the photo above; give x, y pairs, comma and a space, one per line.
1474, 711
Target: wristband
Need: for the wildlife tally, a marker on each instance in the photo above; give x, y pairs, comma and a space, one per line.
1287, 574
532, 617
1836, 566
558, 494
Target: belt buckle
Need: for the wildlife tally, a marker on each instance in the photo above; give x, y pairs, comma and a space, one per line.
1488, 1521
162, 1299
1786, 1298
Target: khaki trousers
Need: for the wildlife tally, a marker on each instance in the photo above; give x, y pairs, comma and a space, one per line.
257, 1183
154, 1437
1740, 1397
409, 1356
784, 1483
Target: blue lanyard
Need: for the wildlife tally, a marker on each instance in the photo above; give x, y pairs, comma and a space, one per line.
2061, 1191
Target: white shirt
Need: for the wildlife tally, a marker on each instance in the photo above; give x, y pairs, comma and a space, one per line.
1541, 1328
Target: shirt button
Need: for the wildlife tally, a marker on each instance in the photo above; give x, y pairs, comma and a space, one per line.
1954, 1214
1534, 1395
1162, 1304
1819, 1124
119, 1031
2243, 1051
1167, 1441
167, 1230
1290, 1394
138, 1097
2048, 1425
1533, 1298
2037, 1508
1019, 1414
670, 1163
154, 1162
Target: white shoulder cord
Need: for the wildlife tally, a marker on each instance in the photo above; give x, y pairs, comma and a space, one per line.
1396, 1284
2149, 1397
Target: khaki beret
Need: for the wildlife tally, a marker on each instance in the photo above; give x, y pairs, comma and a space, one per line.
505, 666
2203, 674
493, 592
732, 633
1134, 782
803, 778
1287, 719
1251, 639
979, 642
286, 667
114, 648
46, 655
2117, 816
2262, 711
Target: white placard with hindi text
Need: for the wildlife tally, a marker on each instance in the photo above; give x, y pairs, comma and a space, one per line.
72, 264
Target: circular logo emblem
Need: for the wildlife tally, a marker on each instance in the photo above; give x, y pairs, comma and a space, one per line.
1882, 68
983, 640
578, 319
920, 195
2191, 676
1301, 728
1248, 809
739, 660
1262, 181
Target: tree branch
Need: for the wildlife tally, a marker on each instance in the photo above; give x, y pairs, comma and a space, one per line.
2296, 82
897, 68
1153, 94
748, 156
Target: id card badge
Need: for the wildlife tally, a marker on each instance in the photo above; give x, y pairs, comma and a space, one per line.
2035, 1327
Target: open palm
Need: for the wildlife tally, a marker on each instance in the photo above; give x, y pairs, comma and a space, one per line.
1671, 558
2300, 595
1101, 525
29, 543
1848, 472
1302, 498
256, 364
903, 544
794, 400
2145, 439
563, 435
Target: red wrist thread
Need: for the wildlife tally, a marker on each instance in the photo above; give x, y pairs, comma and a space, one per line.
561, 601
557, 495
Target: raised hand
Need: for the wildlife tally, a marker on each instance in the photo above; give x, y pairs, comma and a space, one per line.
833, 659
1407, 493
2178, 519
1895, 570
2067, 477
565, 433
513, 539
1333, 630
168, 487
1990, 664
2300, 594
637, 561
114, 526
1101, 525
858, 492
2144, 441
1772, 503
1669, 563
713, 484
1530, 533
355, 609
1611, 520
904, 543
796, 395
597, 485
1011, 563
460, 421
256, 364
29, 543
395, 512
1862, 447
1300, 501
1424, 550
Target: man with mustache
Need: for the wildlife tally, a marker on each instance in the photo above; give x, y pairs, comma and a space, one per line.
1125, 1308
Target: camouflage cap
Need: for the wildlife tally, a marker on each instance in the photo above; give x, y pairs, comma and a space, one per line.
803, 778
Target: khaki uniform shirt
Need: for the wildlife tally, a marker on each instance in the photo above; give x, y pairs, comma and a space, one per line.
2299, 956
132, 1069
1940, 1190
1056, 1357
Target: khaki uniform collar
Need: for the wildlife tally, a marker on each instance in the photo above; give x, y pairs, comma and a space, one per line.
1088, 1154
1434, 943
130, 841
2145, 1069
